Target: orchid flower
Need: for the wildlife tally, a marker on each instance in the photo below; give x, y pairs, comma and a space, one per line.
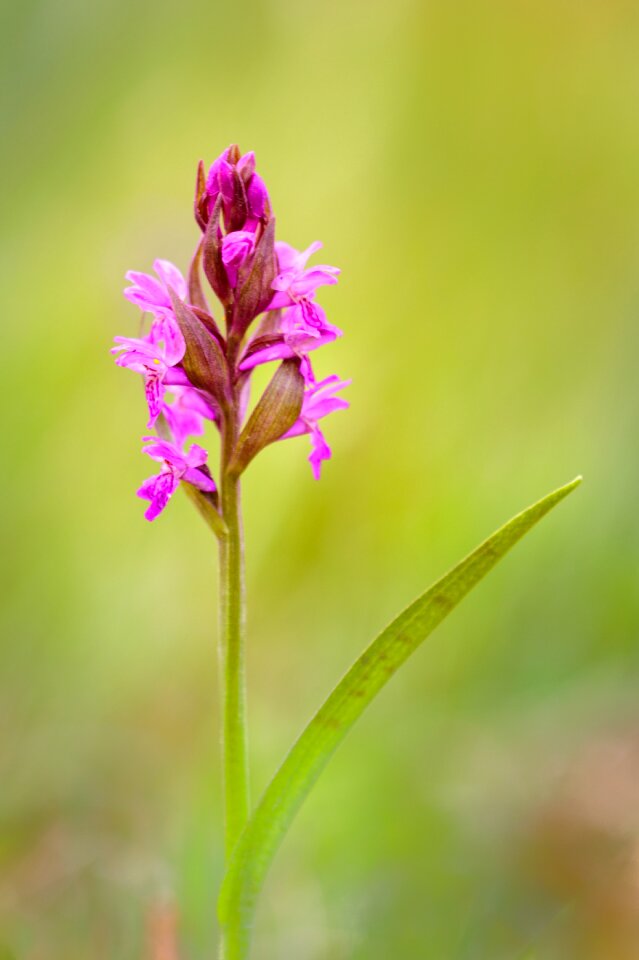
303, 326
295, 288
151, 294
192, 373
176, 466
301, 330
156, 362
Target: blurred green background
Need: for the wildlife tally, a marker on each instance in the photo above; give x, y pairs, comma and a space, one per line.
473, 168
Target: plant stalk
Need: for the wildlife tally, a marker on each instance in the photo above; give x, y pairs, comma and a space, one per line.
232, 669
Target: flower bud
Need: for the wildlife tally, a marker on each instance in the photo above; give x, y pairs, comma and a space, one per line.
200, 204
245, 200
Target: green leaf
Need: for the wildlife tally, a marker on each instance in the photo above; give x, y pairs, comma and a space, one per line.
275, 412
303, 765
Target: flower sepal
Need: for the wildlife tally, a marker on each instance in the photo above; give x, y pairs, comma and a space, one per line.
212, 257
204, 362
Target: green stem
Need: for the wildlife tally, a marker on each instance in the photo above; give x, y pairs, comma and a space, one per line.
232, 637
232, 670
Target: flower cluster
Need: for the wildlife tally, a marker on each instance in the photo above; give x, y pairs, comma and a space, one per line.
195, 370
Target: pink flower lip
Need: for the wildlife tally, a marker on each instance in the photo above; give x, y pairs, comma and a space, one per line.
177, 465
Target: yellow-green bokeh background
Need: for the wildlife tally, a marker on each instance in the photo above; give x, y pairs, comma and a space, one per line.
473, 167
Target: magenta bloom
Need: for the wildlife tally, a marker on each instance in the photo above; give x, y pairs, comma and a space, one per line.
176, 466
319, 400
155, 362
303, 325
294, 282
295, 288
153, 296
197, 366
302, 328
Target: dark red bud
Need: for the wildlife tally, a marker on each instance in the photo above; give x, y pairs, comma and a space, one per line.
212, 257
200, 205
209, 322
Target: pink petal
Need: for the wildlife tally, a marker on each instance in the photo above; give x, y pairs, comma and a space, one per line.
280, 351
286, 255
247, 162
320, 451
154, 391
163, 450
158, 490
308, 282
196, 456
280, 299
171, 276
226, 179
200, 480
257, 196
145, 287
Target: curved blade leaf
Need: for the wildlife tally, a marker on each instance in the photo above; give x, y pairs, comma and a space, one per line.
306, 760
